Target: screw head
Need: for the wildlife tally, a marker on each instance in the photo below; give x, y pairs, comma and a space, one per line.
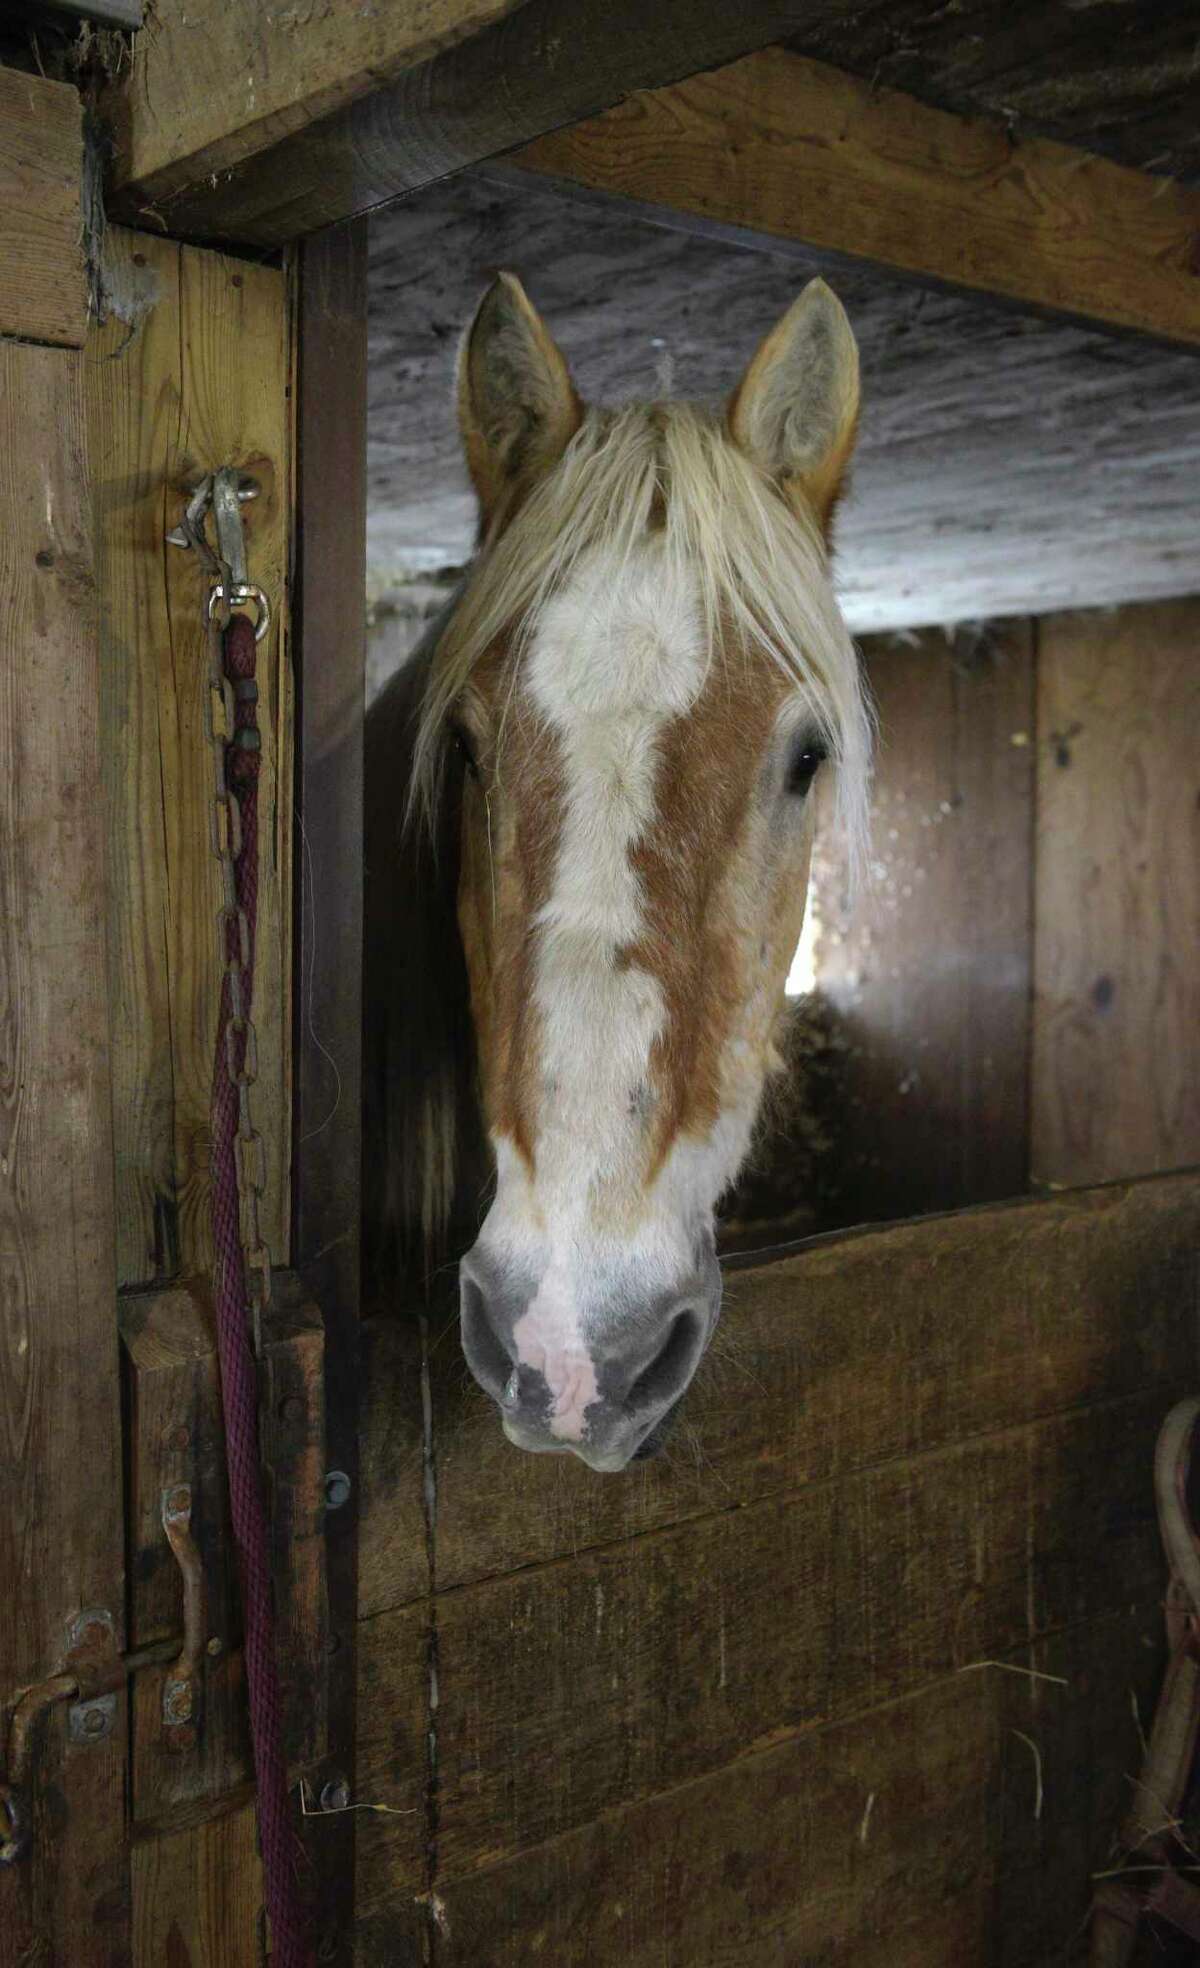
215, 1646
93, 1722
337, 1488
335, 1795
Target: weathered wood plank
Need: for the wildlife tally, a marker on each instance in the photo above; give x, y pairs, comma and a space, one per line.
177, 120
42, 296
566, 1689
928, 965
331, 417
858, 1349
541, 63
792, 152
1116, 1039
927, 1834
190, 371
61, 1537
197, 1896
176, 1435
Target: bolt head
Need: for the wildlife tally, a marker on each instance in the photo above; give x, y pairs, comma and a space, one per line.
335, 1795
337, 1489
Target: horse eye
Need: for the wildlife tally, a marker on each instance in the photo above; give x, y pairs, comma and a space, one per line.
803, 766
462, 745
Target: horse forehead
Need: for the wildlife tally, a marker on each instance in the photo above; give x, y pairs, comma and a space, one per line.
624, 638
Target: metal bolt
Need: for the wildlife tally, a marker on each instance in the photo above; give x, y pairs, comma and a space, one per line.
91, 1721
337, 1488
335, 1795
216, 1645
291, 1408
177, 1702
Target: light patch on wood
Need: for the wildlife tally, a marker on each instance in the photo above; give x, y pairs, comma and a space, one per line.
42, 295
1116, 1030
196, 378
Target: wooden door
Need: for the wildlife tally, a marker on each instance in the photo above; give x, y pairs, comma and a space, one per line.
142, 1840
61, 1533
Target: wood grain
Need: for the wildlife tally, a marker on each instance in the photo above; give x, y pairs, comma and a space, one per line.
539, 64
197, 1896
330, 593
858, 1349
928, 963
177, 120
907, 1838
564, 1690
42, 295
191, 372
61, 1541
176, 1435
790, 151
1116, 1040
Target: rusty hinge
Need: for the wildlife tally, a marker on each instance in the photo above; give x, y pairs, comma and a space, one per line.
93, 1672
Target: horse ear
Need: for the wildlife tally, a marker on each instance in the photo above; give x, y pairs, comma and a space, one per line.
517, 406
795, 410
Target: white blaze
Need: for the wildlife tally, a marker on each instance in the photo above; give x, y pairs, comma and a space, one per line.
616, 656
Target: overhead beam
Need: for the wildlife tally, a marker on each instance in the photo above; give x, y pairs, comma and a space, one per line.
213, 83
42, 294
789, 153
317, 139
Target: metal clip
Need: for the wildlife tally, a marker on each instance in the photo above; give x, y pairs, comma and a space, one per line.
224, 492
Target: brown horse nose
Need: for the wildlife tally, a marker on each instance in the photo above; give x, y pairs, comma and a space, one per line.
607, 1396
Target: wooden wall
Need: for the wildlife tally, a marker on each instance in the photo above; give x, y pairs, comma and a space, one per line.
1018, 984
742, 1705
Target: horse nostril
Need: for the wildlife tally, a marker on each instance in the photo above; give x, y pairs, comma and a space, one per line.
672, 1367
487, 1356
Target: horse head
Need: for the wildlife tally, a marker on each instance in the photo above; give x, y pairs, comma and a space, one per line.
643, 676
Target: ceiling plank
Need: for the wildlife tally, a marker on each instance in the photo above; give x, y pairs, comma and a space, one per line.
792, 153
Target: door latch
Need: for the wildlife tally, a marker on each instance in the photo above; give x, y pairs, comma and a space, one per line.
93, 1673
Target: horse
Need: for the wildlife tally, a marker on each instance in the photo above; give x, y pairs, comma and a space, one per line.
588, 836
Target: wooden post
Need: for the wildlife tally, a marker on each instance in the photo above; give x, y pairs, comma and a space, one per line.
331, 401
61, 1532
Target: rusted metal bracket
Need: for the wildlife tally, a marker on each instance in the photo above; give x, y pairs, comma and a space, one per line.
94, 1673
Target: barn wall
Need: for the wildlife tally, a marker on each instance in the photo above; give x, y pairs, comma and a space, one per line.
1018, 987
739, 1705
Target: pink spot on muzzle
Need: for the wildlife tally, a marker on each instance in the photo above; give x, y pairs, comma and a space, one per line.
549, 1343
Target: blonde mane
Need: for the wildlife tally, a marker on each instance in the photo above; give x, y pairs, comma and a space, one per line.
763, 576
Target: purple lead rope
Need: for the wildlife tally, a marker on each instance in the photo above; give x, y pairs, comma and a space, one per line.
239, 1378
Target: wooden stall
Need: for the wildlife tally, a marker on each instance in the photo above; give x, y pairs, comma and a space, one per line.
855, 1675
859, 1671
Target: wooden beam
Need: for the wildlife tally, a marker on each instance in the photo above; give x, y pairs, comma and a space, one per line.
545, 63
42, 296
61, 1531
786, 152
330, 608
215, 82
